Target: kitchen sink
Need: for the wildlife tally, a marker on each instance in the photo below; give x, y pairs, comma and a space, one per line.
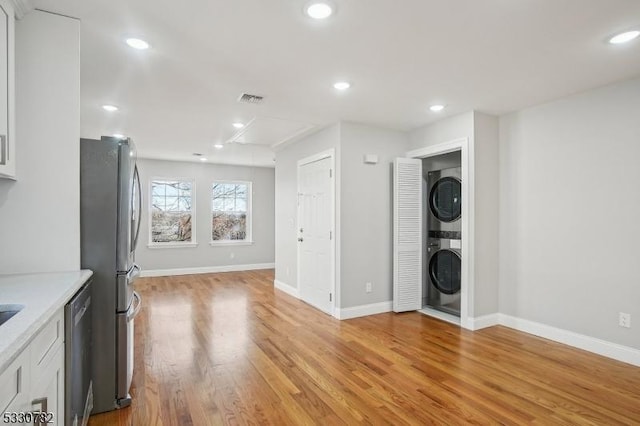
8, 311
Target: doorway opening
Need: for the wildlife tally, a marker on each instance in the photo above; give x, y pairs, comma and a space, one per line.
446, 235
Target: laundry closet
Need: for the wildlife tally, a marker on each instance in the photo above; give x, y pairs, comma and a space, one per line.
442, 232
428, 221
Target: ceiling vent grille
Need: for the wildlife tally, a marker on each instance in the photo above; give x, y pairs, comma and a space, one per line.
250, 99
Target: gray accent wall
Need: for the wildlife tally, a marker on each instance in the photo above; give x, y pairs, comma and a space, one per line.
366, 213
40, 212
570, 213
204, 255
363, 209
286, 178
487, 214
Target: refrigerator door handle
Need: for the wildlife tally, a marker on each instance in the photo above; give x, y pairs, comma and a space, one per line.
133, 274
135, 240
136, 310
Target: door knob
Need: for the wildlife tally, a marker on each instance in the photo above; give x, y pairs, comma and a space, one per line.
300, 239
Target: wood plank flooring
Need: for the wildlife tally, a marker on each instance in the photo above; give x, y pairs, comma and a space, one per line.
229, 349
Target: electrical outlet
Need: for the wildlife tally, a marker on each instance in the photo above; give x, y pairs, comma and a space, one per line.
232, 255
368, 287
624, 320
288, 271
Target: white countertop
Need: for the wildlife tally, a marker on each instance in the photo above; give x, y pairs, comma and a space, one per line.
42, 296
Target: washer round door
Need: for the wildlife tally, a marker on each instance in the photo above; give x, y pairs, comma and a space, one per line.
445, 199
445, 268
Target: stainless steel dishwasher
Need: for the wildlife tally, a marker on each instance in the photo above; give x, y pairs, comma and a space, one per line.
78, 383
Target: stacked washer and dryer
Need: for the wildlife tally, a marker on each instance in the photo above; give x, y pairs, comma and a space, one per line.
444, 233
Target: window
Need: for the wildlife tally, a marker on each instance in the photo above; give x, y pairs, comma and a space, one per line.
172, 221
231, 207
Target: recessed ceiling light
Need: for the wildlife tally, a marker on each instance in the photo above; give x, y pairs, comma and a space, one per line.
342, 85
110, 108
624, 37
218, 146
118, 135
436, 108
319, 10
238, 125
203, 159
136, 43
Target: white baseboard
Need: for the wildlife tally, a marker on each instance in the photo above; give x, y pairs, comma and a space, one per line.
588, 343
205, 270
363, 310
483, 321
292, 291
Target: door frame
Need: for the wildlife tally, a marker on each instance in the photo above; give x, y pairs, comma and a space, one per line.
330, 153
468, 218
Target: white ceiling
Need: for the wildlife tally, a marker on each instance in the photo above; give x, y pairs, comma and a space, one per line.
180, 96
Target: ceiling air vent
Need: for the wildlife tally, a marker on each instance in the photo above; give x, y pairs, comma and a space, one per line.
250, 99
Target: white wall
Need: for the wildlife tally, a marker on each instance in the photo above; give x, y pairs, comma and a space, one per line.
204, 255
40, 213
286, 199
366, 221
445, 130
570, 210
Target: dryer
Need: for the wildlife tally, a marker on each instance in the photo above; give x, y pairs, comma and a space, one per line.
444, 238
444, 203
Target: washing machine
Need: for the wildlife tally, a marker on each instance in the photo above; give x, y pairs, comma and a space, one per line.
444, 240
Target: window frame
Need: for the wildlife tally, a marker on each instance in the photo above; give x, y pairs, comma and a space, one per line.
172, 244
249, 239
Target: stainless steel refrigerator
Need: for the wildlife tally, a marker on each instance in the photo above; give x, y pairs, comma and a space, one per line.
110, 204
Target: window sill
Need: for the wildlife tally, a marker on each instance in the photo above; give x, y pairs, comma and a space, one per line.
171, 245
230, 243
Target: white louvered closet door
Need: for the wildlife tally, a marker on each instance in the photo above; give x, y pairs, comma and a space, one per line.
407, 234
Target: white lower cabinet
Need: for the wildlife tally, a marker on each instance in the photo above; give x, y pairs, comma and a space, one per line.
14, 390
32, 388
47, 392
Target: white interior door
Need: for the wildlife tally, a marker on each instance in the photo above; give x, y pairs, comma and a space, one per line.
315, 233
407, 234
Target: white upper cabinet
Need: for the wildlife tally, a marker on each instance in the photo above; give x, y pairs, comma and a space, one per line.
9, 10
7, 94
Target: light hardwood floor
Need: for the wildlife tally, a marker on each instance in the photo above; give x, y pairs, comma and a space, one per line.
229, 349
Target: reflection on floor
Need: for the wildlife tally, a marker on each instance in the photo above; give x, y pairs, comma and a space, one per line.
229, 349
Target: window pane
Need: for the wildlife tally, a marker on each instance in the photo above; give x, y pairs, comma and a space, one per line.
158, 203
229, 226
218, 204
157, 189
170, 227
241, 191
171, 188
172, 204
229, 204
241, 205
184, 204
218, 190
